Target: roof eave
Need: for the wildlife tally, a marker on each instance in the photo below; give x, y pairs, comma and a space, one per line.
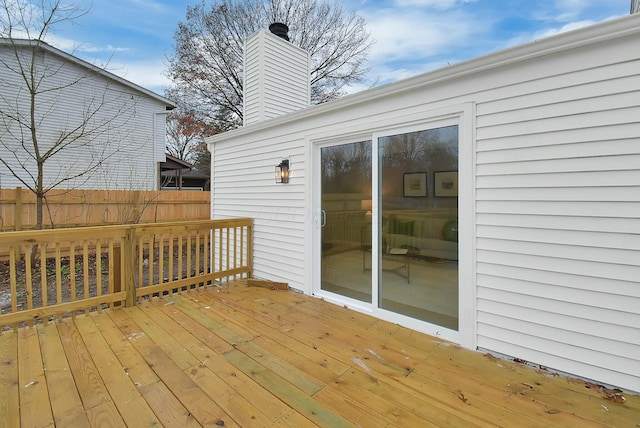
170, 105
619, 27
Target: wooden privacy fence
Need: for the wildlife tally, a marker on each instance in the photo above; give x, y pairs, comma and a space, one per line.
66, 271
74, 208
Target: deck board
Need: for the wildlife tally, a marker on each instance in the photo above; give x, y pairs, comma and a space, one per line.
67, 407
9, 392
124, 393
167, 366
206, 374
254, 357
167, 408
33, 385
218, 366
88, 381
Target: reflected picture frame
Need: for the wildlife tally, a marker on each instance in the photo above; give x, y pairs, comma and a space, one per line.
445, 184
414, 185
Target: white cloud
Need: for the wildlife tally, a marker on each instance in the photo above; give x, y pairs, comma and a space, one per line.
148, 74
150, 4
99, 49
567, 27
548, 32
523, 38
74, 46
570, 9
435, 4
416, 34
412, 41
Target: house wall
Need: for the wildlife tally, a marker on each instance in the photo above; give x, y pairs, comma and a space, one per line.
120, 132
555, 179
558, 192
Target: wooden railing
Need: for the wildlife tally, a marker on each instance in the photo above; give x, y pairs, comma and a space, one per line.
344, 228
66, 271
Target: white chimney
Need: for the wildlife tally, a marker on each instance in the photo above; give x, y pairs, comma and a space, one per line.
276, 75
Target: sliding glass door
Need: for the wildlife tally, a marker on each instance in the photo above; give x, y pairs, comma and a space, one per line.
346, 220
406, 261
418, 209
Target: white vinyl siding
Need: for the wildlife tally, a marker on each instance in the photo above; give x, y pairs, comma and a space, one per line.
129, 127
276, 78
248, 189
252, 96
556, 182
558, 222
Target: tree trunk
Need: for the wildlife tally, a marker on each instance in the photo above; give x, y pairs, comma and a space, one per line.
39, 196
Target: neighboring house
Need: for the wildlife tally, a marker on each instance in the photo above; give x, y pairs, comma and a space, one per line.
118, 129
494, 203
177, 174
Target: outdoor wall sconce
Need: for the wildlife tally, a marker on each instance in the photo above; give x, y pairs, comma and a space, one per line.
282, 171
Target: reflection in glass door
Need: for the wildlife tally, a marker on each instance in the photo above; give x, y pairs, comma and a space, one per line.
417, 229
346, 220
418, 188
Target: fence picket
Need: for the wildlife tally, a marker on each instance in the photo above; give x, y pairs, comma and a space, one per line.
79, 208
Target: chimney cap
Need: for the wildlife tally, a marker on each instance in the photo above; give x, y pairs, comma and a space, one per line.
280, 30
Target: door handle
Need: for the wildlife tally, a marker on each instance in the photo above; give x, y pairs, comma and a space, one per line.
323, 218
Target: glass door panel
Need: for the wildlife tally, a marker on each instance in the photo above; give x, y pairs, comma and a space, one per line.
418, 187
346, 220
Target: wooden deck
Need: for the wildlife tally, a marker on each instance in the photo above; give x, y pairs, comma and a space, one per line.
252, 357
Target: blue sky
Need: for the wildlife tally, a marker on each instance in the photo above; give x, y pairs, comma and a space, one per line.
133, 37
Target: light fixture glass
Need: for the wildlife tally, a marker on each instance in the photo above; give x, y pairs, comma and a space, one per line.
282, 171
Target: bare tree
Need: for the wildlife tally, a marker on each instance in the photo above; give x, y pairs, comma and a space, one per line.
185, 130
207, 62
202, 159
183, 137
45, 143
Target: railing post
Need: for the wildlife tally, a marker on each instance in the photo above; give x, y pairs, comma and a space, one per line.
128, 263
250, 249
117, 270
17, 213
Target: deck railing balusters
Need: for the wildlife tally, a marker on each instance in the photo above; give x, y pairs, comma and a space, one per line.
191, 264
